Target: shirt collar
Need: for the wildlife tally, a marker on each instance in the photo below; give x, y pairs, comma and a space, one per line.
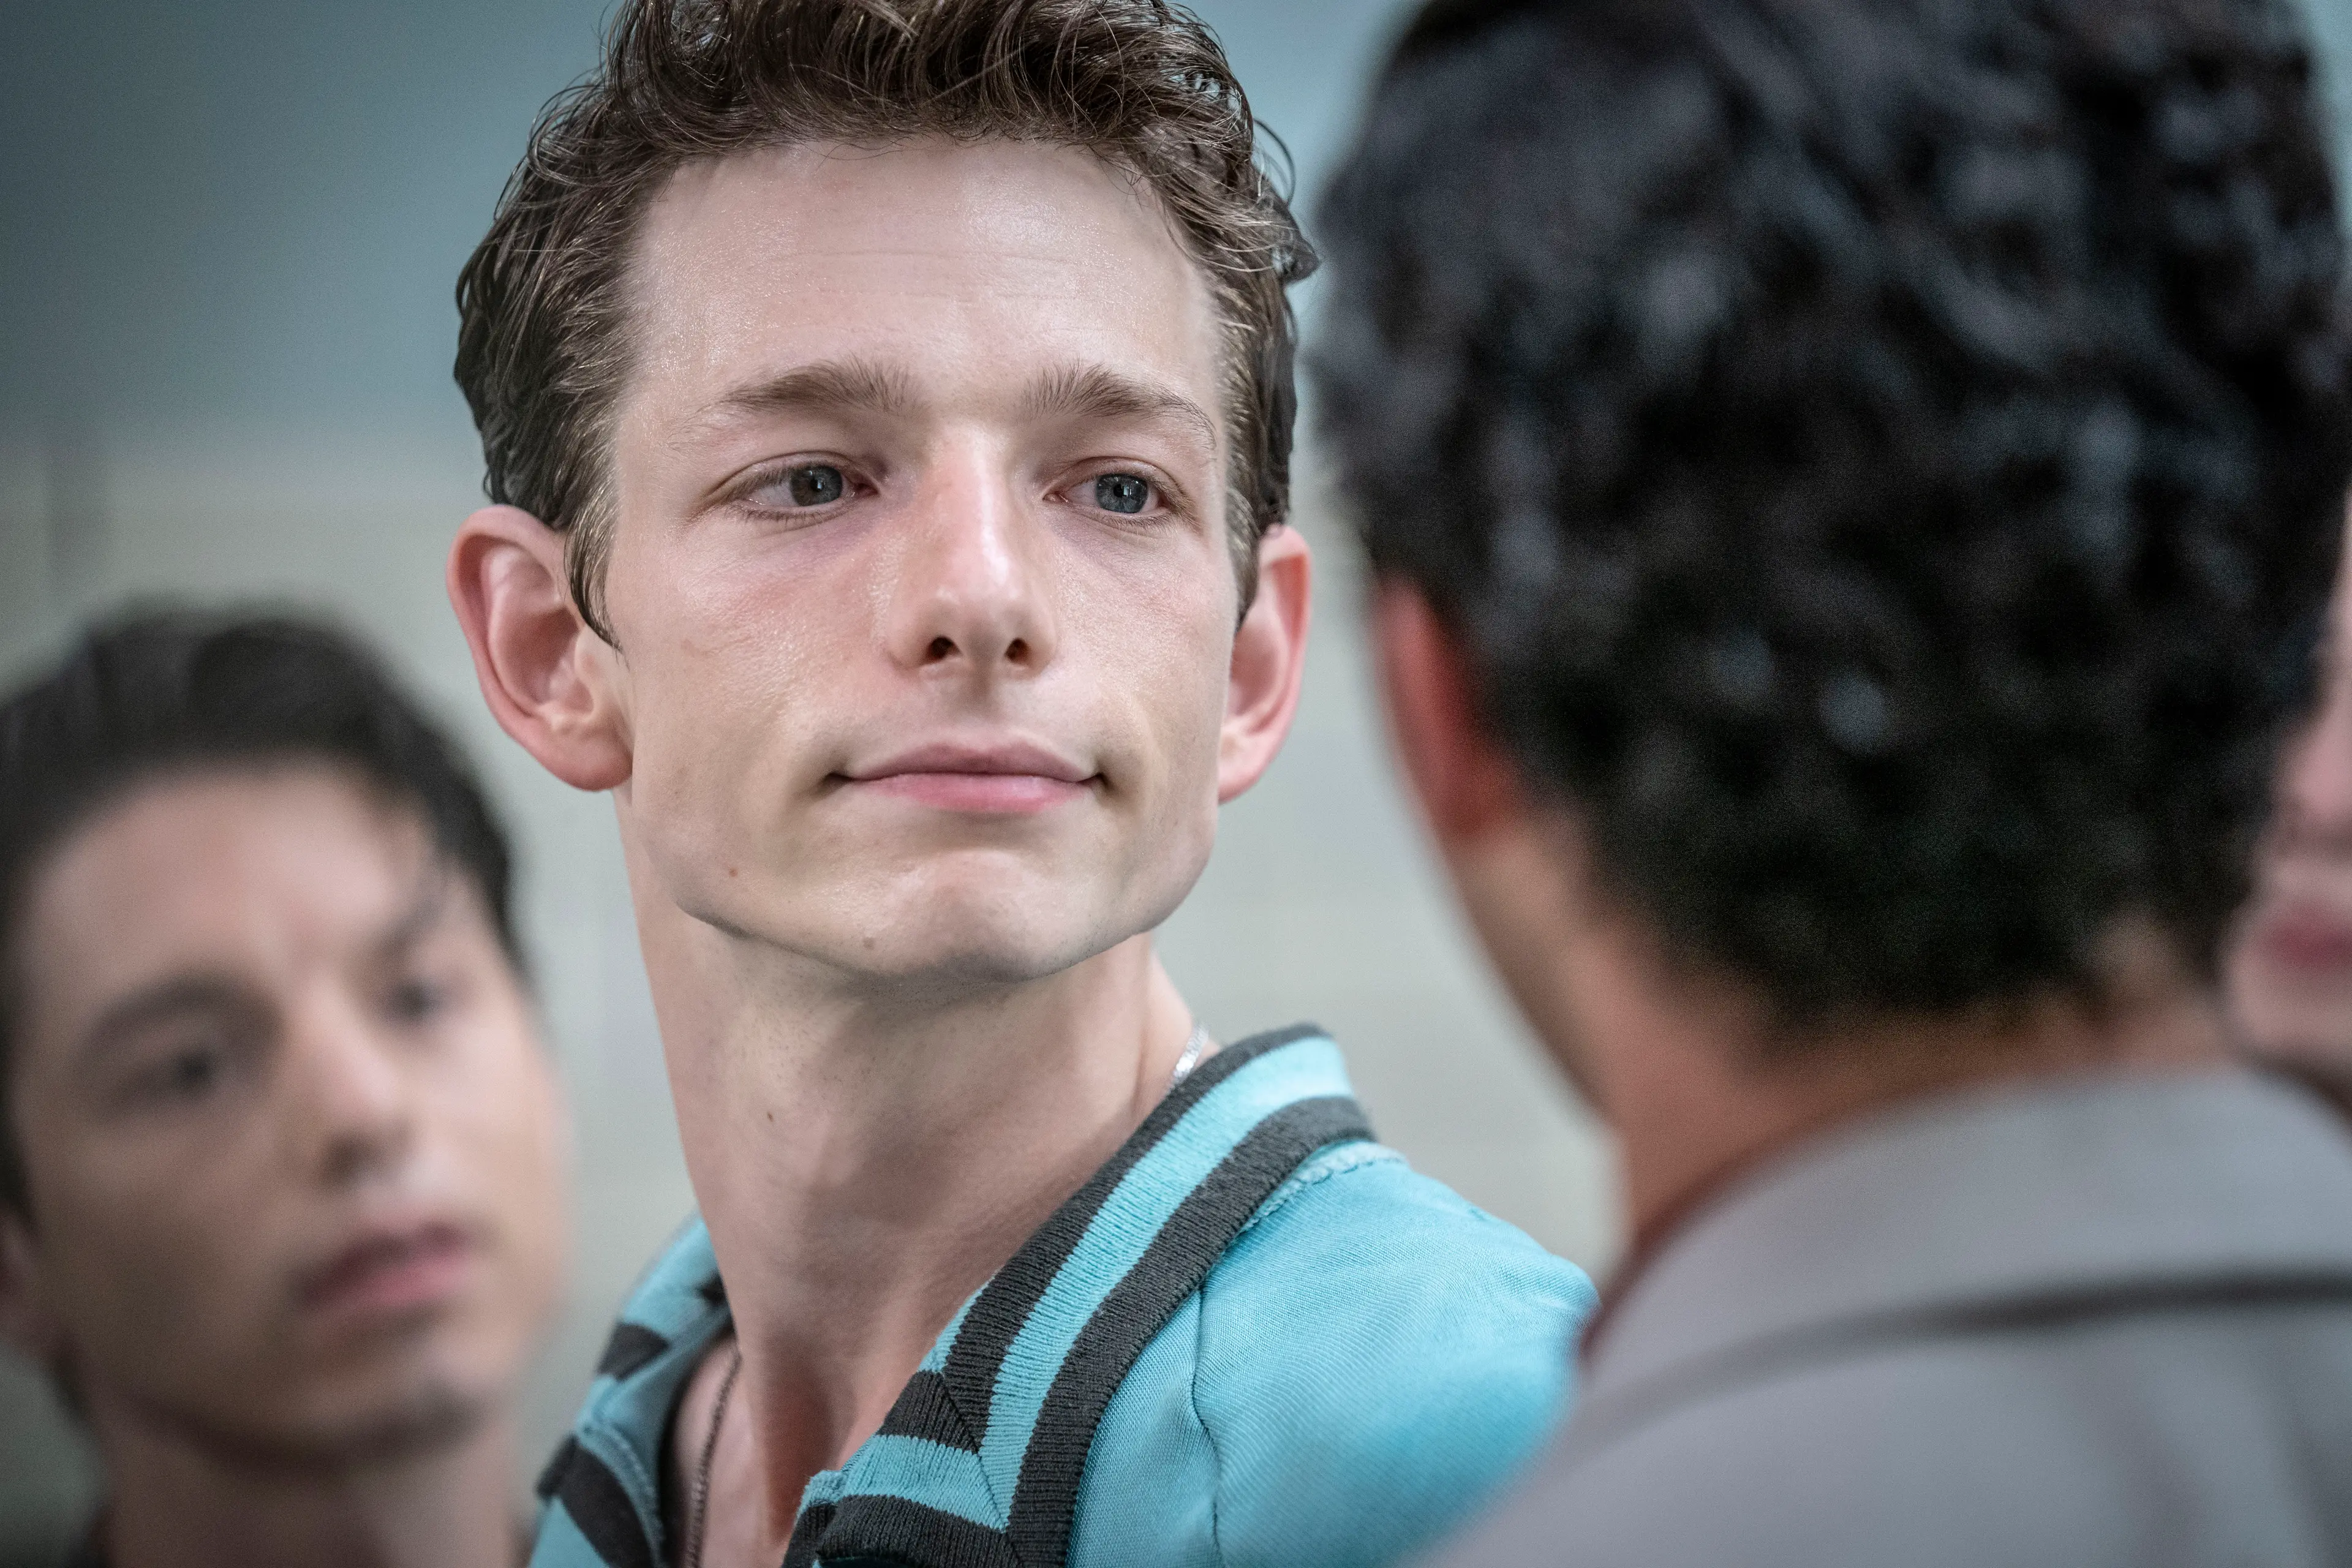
2038, 1192
606, 1475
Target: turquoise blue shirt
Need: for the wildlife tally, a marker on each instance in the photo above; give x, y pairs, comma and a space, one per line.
1255, 1337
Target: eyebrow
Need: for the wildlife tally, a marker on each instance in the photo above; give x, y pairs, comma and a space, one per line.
207, 990
177, 997
1095, 392
854, 385
423, 912
850, 386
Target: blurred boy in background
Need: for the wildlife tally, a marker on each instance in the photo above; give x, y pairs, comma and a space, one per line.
282, 1157
2290, 966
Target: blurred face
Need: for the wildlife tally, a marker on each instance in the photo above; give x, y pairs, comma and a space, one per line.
919, 579
293, 1149
2290, 973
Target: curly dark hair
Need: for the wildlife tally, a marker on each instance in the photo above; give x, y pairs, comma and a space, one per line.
1878, 456
164, 693
542, 341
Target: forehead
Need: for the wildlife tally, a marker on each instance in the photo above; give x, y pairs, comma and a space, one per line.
260, 874
966, 267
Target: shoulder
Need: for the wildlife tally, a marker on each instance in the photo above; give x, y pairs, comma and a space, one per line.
1359, 1209
2072, 1440
1375, 1356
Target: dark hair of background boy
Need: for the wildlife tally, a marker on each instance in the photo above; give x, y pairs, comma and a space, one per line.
1884, 461
167, 694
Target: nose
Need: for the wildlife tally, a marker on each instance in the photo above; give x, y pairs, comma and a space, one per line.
2316, 777
357, 1112
969, 594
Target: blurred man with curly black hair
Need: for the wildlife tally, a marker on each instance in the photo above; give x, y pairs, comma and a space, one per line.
1851, 483
2290, 962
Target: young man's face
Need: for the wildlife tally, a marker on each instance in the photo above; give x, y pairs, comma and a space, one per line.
293, 1150
920, 581
2290, 970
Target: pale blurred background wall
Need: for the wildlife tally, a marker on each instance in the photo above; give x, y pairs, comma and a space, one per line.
229, 233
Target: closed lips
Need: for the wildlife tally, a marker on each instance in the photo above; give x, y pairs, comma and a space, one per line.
1008, 761
2308, 936
389, 1268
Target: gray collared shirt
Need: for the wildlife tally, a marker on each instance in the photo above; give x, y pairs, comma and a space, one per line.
2103, 1321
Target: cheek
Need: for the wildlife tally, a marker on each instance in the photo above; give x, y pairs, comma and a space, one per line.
1163, 652
721, 737
1176, 666
150, 1279
509, 1139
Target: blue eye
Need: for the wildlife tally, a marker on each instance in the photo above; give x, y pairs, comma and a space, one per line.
819, 484
1122, 493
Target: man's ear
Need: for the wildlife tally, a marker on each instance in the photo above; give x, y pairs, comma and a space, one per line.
1269, 659
1465, 780
27, 1321
552, 682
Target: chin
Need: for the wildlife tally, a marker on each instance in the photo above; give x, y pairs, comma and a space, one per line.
2281, 1024
334, 1431
958, 960
953, 923
425, 1418
977, 942
436, 1390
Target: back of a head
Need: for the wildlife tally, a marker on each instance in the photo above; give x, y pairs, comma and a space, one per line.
169, 693
1882, 459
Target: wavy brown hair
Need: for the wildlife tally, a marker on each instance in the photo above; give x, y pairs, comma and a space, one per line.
542, 342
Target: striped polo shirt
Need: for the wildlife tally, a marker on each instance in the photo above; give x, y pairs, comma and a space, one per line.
1254, 1336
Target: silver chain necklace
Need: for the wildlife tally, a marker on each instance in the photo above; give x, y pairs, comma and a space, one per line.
699, 1505
1194, 1046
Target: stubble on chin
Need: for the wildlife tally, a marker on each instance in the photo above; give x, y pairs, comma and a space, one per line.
430, 1419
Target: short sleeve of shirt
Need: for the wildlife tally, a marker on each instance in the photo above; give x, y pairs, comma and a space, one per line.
1376, 1358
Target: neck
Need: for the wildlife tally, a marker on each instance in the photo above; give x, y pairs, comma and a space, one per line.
177, 1501
1698, 1093
864, 1161
1692, 1073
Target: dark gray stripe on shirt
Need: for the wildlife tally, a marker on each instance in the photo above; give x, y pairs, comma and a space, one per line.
925, 1408
996, 1318
1046, 1500
594, 1498
893, 1531
632, 1346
